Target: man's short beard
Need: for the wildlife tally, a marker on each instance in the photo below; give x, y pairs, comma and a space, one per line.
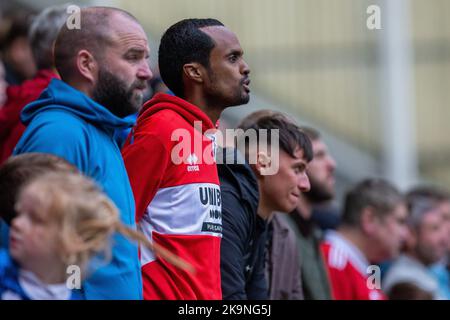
217, 98
318, 193
113, 94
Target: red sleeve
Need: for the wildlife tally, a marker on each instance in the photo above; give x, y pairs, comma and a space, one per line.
146, 161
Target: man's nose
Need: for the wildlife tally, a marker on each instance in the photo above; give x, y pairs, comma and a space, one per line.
144, 72
331, 163
303, 183
245, 68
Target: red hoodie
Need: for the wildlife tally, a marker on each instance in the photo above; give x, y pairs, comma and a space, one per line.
11, 129
178, 205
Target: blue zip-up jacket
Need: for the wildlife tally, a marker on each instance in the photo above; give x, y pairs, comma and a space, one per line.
67, 123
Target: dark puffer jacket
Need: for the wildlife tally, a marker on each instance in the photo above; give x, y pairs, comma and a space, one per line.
244, 232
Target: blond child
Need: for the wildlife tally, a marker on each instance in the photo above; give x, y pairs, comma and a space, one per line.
63, 220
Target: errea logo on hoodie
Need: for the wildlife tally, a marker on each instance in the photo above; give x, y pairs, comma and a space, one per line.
192, 160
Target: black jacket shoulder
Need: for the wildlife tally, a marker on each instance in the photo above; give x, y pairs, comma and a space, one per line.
243, 238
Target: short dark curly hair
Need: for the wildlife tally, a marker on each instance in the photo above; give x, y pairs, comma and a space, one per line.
183, 43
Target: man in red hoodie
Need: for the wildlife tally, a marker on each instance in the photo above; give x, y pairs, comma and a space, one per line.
170, 161
42, 35
373, 229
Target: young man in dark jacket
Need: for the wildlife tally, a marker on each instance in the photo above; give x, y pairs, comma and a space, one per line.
251, 192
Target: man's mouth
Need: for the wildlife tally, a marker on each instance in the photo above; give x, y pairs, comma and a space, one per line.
331, 179
141, 87
246, 84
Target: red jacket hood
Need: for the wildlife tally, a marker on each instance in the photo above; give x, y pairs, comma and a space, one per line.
190, 112
32, 88
11, 128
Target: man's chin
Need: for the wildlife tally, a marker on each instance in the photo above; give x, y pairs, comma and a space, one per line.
315, 195
245, 99
136, 105
289, 206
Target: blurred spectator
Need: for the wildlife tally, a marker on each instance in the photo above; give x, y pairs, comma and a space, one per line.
21, 168
320, 171
283, 261
372, 230
427, 244
250, 199
409, 291
63, 219
42, 35
326, 216
14, 173
3, 85
439, 269
16, 50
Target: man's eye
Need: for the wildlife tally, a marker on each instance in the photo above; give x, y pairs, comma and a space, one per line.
233, 58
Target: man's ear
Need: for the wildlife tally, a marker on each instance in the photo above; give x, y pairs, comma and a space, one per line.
194, 71
263, 163
87, 65
369, 220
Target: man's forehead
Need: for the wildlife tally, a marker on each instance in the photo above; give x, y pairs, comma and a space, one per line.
129, 39
221, 35
318, 145
125, 28
432, 216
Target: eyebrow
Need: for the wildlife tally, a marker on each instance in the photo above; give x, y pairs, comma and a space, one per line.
235, 52
320, 152
137, 50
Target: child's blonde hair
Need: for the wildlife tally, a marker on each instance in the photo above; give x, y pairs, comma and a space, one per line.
86, 217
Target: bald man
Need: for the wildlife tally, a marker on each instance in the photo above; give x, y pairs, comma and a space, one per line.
104, 69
